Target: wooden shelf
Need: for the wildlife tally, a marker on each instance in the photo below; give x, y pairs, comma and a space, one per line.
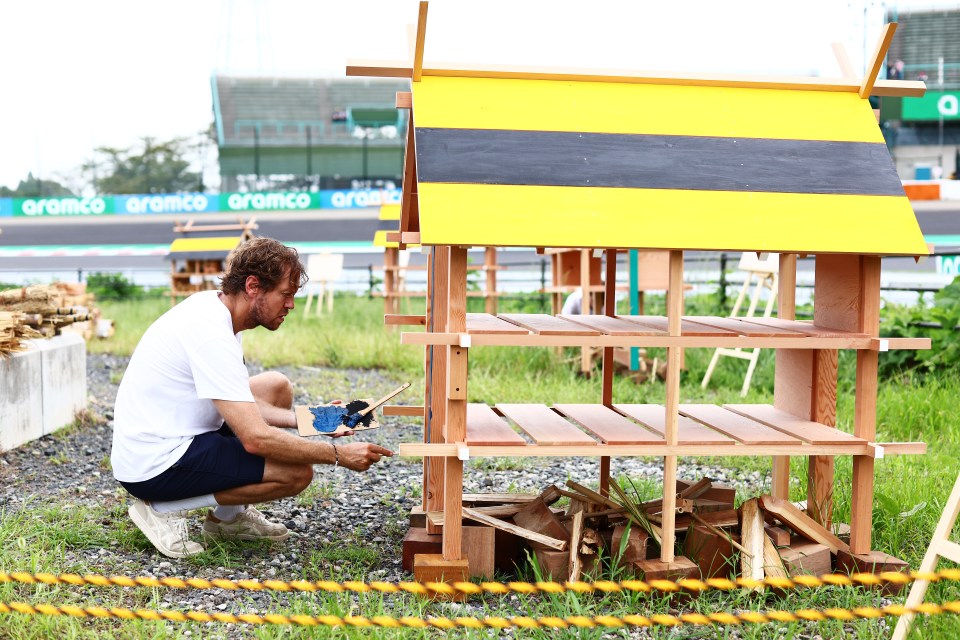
572, 430
542, 330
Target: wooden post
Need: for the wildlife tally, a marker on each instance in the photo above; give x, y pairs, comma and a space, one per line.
786, 309
865, 411
610, 309
586, 307
436, 398
390, 264
490, 264
672, 384
456, 419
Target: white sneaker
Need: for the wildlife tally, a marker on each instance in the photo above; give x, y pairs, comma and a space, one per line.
167, 531
249, 524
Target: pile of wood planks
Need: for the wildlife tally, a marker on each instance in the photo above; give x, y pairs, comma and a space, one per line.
765, 537
49, 309
13, 331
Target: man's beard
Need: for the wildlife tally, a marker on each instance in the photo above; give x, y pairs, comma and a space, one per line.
257, 316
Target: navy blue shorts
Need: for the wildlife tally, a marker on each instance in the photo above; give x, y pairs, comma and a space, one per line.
215, 461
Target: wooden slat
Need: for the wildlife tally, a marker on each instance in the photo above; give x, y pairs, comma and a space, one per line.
750, 329
497, 498
608, 425
486, 323
802, 523
553, 543
803, 327
807, 430
547, 325
653, 416
736, 426
544, 425
612, 326
484, 427
687, 327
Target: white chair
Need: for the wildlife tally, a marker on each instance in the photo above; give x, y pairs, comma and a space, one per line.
323, 269
762, 275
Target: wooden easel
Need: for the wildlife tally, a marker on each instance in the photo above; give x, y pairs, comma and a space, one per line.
940, 547
762, 276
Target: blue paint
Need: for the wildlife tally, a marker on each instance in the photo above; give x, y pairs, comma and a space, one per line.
327, 419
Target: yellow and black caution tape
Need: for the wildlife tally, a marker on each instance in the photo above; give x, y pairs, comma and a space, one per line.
496, 588
490, 622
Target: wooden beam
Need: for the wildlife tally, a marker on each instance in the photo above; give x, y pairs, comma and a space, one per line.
455, 425
752, 537
421, 39
553, 543
802, 523
843, 60
879, 53
382, 69
598, 450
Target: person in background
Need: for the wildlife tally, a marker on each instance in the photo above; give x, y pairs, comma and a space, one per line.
192, 429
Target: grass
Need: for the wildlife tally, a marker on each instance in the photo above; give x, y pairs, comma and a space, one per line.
910, 492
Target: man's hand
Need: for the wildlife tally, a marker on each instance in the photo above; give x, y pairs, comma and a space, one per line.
358, 456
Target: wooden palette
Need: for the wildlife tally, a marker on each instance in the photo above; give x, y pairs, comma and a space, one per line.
305, 421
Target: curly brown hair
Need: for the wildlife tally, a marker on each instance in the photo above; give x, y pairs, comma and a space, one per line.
265, 258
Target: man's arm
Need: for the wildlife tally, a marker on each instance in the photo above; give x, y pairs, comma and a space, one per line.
263, 440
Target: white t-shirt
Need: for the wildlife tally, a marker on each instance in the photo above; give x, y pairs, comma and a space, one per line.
189, 357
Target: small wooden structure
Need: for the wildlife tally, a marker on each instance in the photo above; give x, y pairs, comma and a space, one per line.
396, 265
553, 158
198, 257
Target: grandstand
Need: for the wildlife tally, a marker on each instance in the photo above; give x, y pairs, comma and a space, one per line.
301, 133
920, 139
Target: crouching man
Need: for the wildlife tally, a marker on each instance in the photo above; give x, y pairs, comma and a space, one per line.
193, 430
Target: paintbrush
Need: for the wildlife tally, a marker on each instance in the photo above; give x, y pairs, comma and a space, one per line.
353, 419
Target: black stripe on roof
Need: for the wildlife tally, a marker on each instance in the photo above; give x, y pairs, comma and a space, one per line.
558, 158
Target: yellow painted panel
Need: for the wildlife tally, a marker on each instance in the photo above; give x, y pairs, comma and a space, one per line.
389, 212
552, 105
535, 216
380, 239
205, 244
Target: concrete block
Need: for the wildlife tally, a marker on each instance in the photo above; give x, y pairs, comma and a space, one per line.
21, 400
64, 379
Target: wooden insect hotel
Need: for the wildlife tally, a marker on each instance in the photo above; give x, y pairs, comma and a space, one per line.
198, 256
509, 157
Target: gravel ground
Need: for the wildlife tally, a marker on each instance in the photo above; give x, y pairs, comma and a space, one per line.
72, 468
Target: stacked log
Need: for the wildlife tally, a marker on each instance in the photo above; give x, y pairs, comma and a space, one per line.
47, 309
13, 331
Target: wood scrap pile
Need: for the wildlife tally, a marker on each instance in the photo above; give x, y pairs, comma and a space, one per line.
50, 308
14, 329
765, 537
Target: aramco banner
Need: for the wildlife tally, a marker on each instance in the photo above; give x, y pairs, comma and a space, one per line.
198, 203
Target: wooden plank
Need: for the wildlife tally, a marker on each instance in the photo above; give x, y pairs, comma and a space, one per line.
484, 427
404, 100
496, 511
398, 69
735, 425
544, 425
806, 430
738, 325
687, 327
612, 326
608, 425
497, 498
396, 319
576, 532
537, 517
802, 523
843, 60
876, 62
805, 328
479, 323
547, 541
455, 425
772, 564
435, 366
421, 39
547, 325
690, 431
752, 538
413, 411
652, 161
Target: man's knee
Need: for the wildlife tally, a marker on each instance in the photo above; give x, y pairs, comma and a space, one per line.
301, 478
272, 387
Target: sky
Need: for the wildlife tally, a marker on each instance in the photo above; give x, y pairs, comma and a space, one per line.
79, 75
